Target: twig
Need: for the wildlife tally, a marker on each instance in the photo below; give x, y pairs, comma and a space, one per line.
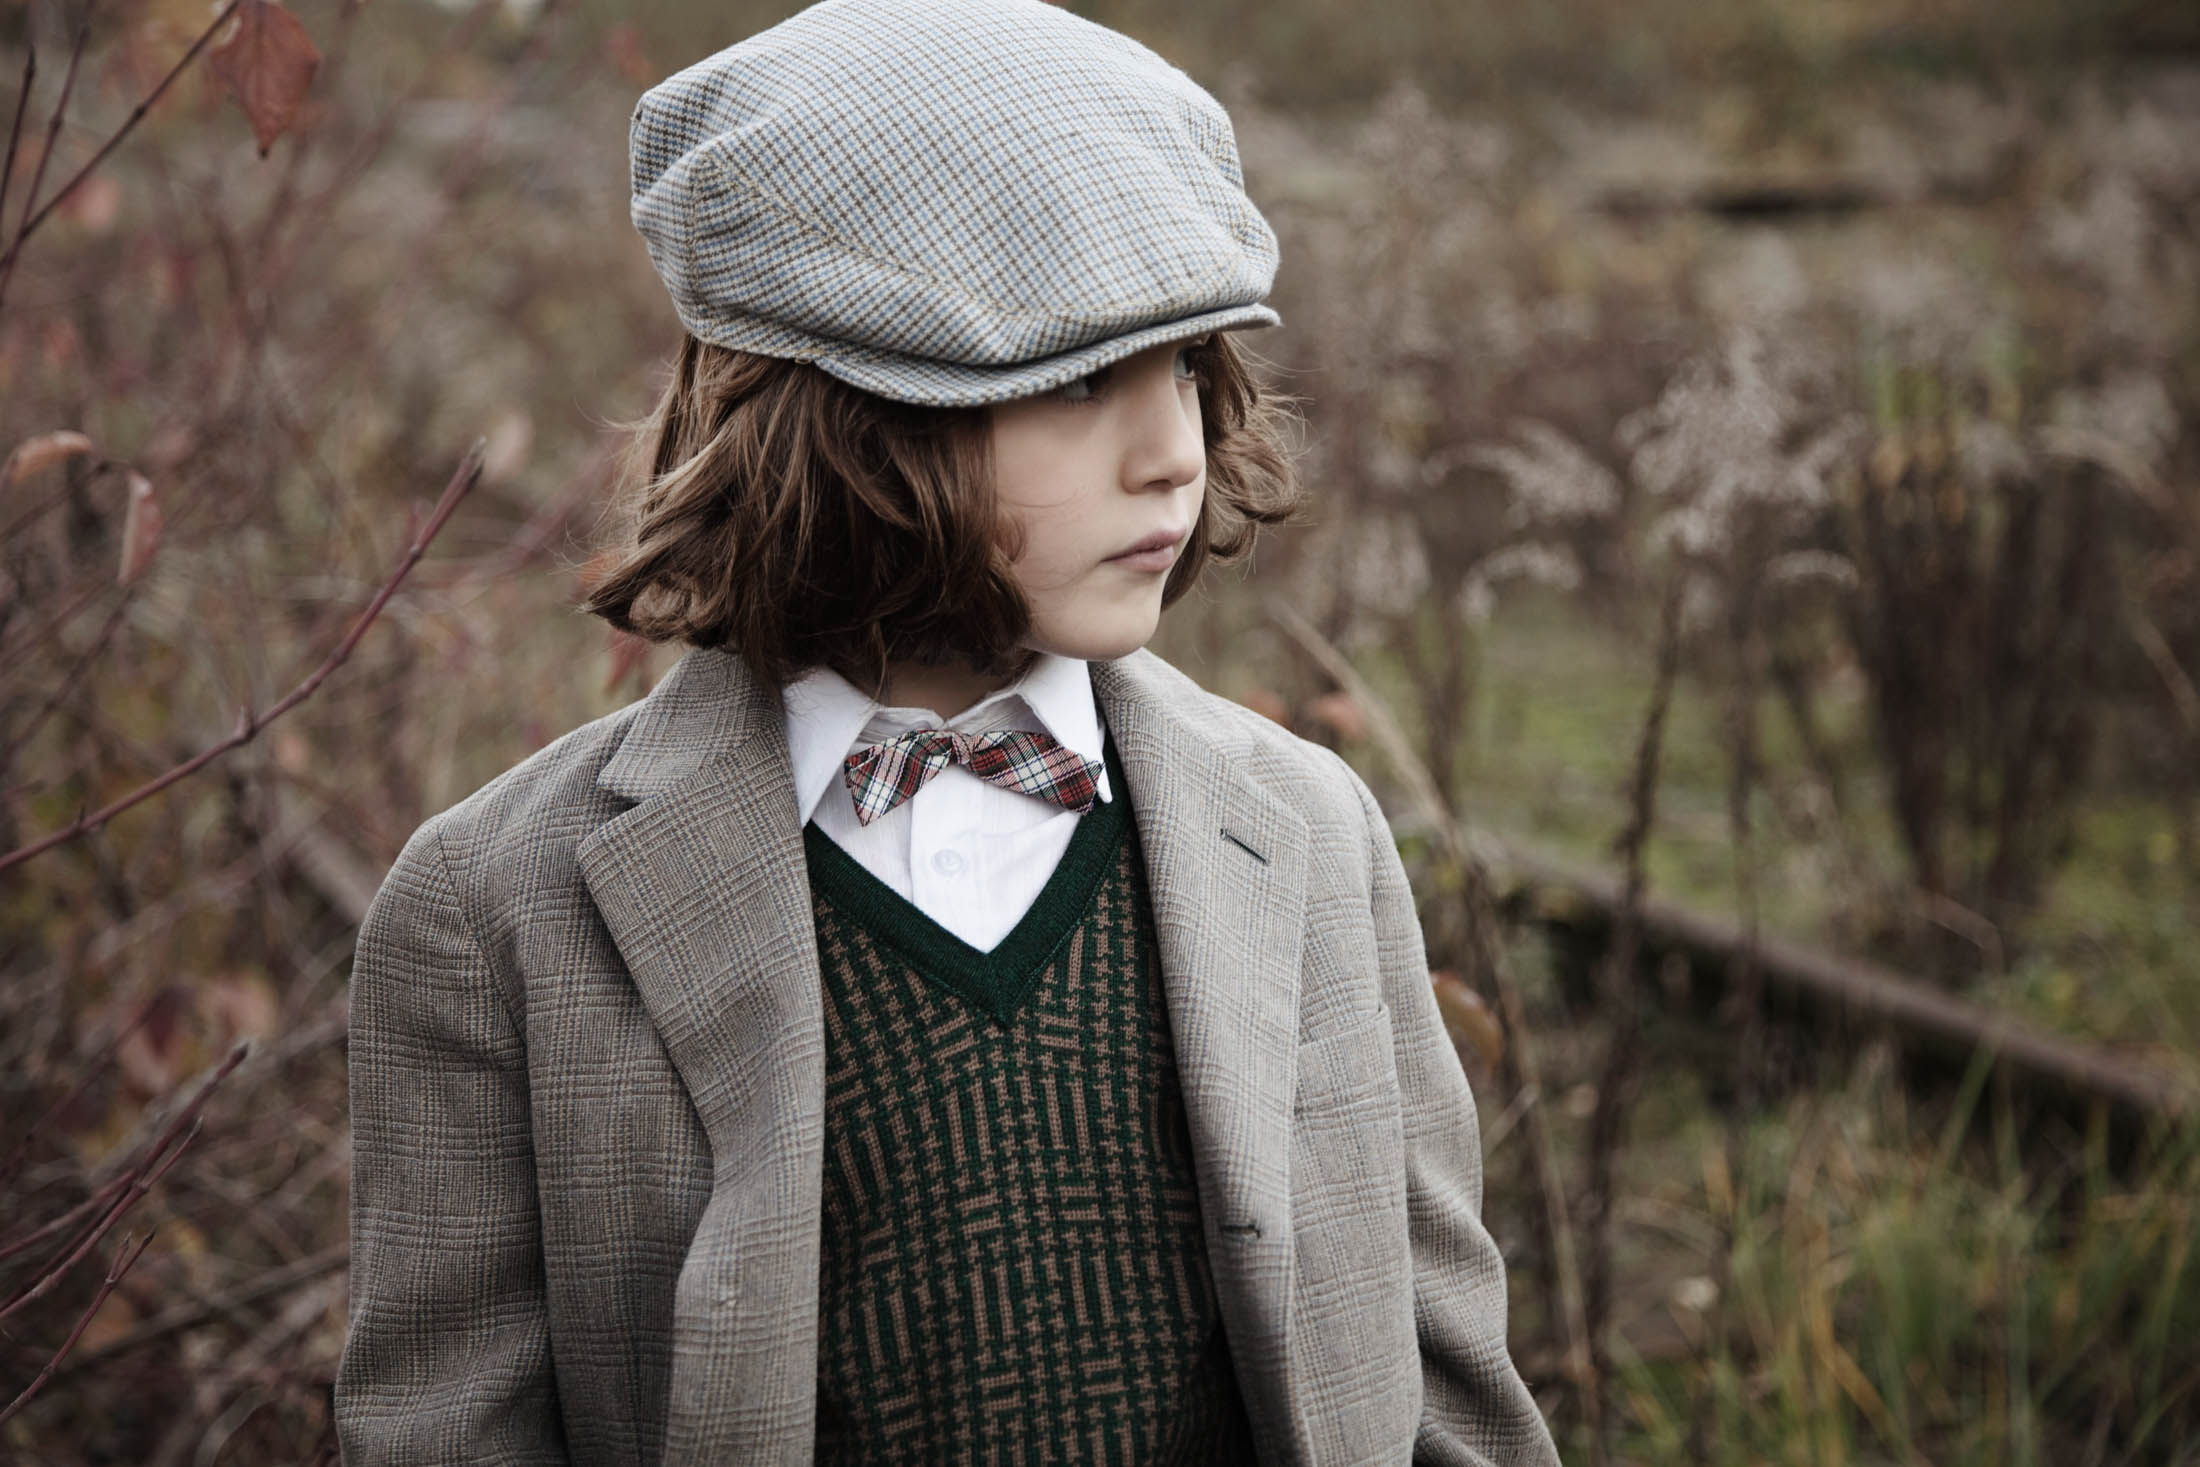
92, 1068
143, 1173
16, 652
241, 1368
1945, 911
94, 465
250, 724
543, 527
1744, 1005
143, 1182
1383, 727
45, 154
2179, 683
122, 1265
97, 1202
213, 889
72, 679
22, 106
31, 221
190, 1316
1623, 1047
1741, 830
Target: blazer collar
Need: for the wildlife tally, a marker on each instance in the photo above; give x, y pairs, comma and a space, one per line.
704, 710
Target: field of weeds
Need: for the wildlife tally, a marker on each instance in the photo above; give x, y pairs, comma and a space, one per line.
1754, 548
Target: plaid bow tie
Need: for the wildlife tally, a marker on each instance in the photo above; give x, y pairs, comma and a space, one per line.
883, 775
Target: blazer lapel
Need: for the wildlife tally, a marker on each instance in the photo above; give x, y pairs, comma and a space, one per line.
1226, 864
703, 886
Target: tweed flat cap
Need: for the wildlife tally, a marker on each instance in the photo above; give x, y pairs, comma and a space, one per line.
949, 202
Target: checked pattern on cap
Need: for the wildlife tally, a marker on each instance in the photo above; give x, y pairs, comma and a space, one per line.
883, 775
948, 202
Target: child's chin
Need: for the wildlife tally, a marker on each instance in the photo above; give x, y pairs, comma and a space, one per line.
1093, 641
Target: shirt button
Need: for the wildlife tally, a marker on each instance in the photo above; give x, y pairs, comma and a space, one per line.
947, 863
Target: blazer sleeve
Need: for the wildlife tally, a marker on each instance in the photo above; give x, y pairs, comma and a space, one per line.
1475, 1409
447, 1355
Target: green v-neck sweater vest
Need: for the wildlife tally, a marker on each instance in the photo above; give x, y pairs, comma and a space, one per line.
1013, 1269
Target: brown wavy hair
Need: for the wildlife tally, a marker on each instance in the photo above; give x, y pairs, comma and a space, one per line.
798, 521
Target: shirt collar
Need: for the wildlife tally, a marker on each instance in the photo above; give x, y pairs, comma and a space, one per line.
828, 716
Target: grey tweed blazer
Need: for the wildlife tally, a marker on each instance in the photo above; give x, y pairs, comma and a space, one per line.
588, 1082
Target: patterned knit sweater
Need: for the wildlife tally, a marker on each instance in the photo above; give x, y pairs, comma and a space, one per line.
1013, 1267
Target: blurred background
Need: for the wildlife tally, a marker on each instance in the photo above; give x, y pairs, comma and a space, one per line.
1755, 507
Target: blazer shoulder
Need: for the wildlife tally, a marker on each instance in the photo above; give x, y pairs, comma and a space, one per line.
1312, 778
539, 807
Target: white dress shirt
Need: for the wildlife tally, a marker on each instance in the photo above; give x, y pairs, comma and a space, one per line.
970, 855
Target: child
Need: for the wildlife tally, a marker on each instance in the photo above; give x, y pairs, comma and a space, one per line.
927, 1028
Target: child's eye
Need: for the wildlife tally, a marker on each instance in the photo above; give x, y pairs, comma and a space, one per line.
1085, 389
1187, 358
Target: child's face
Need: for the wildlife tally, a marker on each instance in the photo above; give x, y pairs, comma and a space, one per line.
1090, 474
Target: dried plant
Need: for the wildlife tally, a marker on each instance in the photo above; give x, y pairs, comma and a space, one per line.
1986, 617
214, 587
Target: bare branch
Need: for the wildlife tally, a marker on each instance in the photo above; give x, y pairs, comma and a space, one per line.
91, 1069
18, 651
1623, 1046
139, 1185
191, 1316
45, 155
249, 724
74, 678
141, 1174
38, 508
32, 220
98, 1202
22, 106
122, 1265
2182, 694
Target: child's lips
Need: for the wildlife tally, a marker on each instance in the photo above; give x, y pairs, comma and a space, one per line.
1157, 552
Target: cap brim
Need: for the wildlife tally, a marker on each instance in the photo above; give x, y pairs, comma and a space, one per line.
932, 383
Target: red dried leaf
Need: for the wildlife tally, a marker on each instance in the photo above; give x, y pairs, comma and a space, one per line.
267, 63
37, 454
140, 530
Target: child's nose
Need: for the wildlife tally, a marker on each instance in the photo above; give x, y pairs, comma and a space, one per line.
1166, 449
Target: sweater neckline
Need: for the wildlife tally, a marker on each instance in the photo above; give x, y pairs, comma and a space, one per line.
998, 982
